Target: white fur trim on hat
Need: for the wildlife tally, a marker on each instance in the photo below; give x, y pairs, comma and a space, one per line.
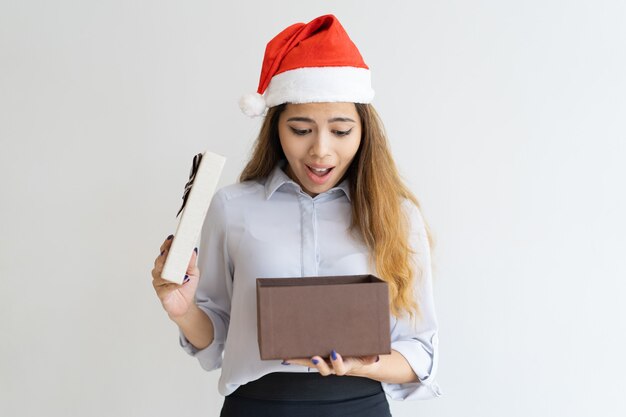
320, 84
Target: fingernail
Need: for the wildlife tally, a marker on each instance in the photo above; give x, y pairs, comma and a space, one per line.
186, 278
333, 354
169, 237
285, 363
315, 361
195, 250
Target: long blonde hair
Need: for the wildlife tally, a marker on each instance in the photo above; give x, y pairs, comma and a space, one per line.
377, 193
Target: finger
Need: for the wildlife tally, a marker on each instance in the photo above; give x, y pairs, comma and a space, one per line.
368, 360
157, 271
338, 364
321, 365
193, 261
158, 281
160, 260
167, 242
297, 361
165, 247
165, 290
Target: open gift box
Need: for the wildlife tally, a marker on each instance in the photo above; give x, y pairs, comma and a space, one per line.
303, 317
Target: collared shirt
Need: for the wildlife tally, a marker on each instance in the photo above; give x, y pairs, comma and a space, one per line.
272, 228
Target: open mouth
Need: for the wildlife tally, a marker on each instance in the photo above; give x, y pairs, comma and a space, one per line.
320, 172
319, 175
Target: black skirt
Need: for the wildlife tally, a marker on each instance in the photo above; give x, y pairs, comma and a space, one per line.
283, 394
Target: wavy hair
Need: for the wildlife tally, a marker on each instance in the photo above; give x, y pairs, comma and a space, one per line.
377, 193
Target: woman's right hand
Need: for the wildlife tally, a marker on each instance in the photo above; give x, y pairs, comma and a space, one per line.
175, 298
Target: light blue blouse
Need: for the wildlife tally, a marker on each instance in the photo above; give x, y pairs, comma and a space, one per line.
271, 228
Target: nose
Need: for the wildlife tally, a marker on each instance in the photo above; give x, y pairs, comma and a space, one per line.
320, 148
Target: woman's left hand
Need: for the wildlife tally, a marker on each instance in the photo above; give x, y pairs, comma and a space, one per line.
336, 365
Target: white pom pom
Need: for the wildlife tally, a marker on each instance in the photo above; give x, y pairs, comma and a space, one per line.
253, 105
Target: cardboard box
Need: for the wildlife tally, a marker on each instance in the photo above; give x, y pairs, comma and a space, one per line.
303, 317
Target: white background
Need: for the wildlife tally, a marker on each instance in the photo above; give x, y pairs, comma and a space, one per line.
507, 119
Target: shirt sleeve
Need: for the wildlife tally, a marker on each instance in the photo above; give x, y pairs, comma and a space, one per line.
418, 340
213, 295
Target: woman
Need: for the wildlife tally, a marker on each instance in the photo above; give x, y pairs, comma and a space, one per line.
320, 196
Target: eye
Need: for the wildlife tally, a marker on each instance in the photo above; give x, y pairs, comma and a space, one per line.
342, 132
299, 132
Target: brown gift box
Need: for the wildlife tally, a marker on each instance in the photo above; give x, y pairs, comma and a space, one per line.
303, 317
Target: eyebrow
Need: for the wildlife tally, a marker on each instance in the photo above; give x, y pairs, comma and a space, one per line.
306, 119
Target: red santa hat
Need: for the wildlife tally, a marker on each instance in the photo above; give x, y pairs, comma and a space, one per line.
312, 62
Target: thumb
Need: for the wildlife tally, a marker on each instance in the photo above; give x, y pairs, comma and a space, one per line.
191, 268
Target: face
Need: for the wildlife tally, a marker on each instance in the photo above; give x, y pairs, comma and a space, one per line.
319, 141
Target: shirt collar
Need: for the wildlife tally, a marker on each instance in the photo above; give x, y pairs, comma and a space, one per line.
278, 178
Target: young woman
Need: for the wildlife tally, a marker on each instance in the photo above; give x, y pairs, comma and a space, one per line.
320, 196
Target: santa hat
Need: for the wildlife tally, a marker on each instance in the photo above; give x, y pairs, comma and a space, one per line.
312, 62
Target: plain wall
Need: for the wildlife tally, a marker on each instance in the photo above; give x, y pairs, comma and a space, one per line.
505, 117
